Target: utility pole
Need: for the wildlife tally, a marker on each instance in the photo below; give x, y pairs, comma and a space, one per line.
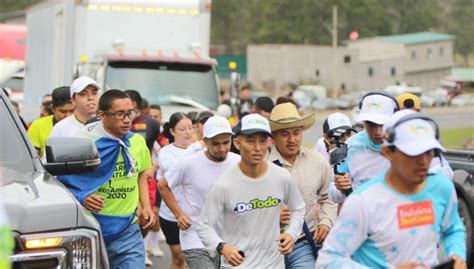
335, 86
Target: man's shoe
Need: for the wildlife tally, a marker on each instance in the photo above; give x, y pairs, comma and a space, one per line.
156, 251
148, 262
161, 236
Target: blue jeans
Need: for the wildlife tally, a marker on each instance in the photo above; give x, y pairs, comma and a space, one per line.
127, 251
301, 257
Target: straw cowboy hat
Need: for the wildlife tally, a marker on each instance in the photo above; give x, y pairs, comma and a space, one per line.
286, 116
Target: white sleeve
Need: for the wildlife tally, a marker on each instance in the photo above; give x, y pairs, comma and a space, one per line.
175, 173
336, 195
165, 161
347, 235
55, 132
210, 215
296, 205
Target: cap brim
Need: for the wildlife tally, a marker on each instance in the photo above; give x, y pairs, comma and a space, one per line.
415, 148
216, 134
345, 128
305, 122
253, 131
373, 117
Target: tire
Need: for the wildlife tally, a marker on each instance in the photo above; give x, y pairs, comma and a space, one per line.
466, 218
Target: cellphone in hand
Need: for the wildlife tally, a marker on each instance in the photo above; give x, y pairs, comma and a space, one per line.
242, 253
448, 264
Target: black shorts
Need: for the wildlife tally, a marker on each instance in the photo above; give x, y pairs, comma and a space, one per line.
170, 230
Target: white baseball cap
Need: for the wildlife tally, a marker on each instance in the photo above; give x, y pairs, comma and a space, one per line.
377, 108
79, 84
216, 125
252, 124
224, 111
413, 137
337, 122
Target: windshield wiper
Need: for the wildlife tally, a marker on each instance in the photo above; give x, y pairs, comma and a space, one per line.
187, 101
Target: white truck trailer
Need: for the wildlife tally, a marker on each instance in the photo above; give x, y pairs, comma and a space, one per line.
157, 47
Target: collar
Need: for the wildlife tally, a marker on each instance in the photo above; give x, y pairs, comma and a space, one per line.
275, 155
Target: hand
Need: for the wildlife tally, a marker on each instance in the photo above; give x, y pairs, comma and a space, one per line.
94, 203
411, 265
284, 216
342, 182
231, 255
458, 262
286, 243
183, 222
147, 218
321, 233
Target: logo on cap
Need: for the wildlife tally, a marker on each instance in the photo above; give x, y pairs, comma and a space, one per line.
261, 122
418, 129
374, 105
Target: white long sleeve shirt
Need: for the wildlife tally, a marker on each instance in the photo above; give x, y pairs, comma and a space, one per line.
249, 211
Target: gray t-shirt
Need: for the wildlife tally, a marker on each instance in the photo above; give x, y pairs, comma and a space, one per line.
249, 210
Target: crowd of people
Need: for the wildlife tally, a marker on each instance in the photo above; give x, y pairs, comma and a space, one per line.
244, 191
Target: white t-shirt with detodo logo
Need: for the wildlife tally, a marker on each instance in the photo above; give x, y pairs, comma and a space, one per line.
249, 211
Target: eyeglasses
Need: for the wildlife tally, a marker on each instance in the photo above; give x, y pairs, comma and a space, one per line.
120, 115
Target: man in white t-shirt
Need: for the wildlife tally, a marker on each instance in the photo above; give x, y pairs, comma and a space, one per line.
196, 174
246, 202
85, 97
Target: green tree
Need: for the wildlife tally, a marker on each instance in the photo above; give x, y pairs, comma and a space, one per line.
15, 5
462, 25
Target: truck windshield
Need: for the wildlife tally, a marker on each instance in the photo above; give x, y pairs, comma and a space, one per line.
157, 82
14, 154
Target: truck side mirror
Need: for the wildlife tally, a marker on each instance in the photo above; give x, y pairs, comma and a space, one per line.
71, 155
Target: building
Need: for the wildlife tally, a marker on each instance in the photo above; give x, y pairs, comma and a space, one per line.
418, 59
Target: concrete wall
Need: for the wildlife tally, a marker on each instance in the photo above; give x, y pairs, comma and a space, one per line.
428, 56
382, 75
272, 66
427, 80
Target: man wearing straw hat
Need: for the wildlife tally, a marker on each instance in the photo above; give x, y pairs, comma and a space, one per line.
311, 173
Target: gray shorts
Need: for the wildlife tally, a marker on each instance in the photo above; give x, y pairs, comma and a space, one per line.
199, 258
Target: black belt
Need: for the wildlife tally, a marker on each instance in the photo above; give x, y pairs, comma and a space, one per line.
303, 238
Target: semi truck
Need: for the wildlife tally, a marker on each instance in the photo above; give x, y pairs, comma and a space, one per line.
157, 47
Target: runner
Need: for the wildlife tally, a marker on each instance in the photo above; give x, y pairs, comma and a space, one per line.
40, 129
246, 202
398, 218
179, 131
337, 128
363, 159
113, 192
311, 174
196, 174
85, 97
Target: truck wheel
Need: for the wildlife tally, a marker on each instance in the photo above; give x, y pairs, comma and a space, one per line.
466, 218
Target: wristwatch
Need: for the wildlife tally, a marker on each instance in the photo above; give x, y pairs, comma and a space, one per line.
219, 247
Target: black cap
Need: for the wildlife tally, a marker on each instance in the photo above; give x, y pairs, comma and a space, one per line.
61, 96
